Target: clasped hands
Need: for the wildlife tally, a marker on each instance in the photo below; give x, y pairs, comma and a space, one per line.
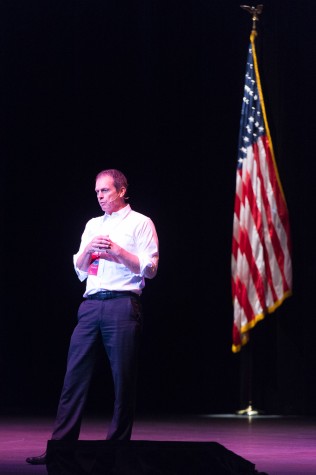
101, 245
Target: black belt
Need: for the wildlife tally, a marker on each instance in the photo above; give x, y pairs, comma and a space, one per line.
111, 294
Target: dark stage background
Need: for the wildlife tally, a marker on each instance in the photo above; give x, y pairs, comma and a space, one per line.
153, 88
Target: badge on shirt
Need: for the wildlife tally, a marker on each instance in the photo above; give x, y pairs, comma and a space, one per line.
93, 267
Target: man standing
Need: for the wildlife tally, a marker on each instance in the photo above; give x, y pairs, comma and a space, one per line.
118, 251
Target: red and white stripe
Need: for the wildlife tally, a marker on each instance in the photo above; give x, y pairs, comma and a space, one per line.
261, 248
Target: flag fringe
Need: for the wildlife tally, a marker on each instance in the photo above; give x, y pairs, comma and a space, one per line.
257, 318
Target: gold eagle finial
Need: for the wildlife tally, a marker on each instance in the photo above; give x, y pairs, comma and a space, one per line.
254, 11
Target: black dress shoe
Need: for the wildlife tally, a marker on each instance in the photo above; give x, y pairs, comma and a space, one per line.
39, 460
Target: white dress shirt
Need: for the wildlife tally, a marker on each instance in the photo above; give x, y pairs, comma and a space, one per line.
135, 233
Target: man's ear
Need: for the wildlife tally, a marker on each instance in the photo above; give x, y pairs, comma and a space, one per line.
122, 192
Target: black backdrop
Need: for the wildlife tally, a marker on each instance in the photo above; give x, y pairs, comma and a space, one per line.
153, 88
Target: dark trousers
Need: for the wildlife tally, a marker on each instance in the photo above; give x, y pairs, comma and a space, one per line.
118, 322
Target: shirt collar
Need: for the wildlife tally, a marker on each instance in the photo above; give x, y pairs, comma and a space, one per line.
121, 213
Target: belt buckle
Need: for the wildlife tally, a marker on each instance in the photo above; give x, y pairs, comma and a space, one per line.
105, 294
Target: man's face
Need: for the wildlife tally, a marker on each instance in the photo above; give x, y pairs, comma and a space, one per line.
109, 199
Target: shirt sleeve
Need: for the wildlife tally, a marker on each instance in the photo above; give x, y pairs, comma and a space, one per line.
85, 238
148, 253
80, 273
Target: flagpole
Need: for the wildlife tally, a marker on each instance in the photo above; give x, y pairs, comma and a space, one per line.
246, 363
261, 261
246, 367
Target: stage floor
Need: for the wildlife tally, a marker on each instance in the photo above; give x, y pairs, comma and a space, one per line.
276, 445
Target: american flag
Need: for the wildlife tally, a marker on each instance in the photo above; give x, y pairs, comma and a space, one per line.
261, 246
